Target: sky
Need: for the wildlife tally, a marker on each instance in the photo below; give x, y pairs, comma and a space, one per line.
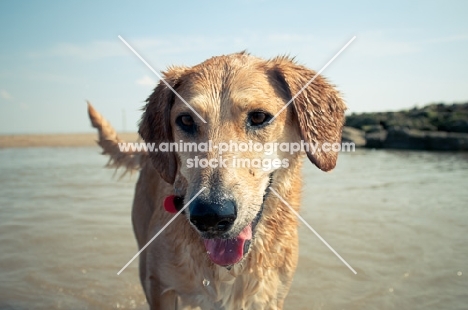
55, 55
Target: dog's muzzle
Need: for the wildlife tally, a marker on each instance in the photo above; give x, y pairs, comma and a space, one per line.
214, 220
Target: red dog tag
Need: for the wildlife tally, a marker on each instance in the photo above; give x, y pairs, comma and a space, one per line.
169, 204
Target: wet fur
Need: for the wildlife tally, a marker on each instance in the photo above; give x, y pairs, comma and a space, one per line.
223, 89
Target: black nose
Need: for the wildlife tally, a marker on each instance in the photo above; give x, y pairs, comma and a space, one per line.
209, 216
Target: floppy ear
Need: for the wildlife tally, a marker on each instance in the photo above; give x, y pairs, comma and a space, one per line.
155, 124
318, 108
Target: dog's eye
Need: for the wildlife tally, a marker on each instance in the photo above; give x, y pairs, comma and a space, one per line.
186, 120
258, 118
186, 123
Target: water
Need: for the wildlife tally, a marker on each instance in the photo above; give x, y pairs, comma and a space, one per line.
400, 219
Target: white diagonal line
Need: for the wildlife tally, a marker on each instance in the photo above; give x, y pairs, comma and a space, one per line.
313, 230
163, 80
315, 76
160, 231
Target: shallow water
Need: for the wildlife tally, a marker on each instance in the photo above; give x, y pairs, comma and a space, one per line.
400, 219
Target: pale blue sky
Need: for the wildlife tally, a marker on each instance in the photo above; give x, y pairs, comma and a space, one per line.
56, 54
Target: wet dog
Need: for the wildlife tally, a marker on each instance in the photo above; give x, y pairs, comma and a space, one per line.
236, 244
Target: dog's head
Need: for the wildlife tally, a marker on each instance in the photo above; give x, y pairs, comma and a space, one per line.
238, 96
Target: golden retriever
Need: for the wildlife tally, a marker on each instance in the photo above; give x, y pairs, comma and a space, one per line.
236, 244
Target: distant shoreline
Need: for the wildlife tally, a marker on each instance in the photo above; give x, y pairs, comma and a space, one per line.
57, 140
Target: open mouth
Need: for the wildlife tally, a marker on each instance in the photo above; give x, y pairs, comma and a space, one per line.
227, 252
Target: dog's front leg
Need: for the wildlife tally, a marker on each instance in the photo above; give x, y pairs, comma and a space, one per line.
166, 300
169, 300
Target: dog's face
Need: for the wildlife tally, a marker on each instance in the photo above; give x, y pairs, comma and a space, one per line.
232, 155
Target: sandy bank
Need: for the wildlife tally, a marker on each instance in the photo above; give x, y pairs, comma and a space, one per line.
56, 140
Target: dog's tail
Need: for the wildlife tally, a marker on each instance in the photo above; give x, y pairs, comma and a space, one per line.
110, 144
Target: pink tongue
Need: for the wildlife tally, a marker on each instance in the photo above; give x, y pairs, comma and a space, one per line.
227, 252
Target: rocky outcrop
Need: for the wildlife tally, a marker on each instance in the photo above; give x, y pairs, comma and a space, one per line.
433, 117
354, 135
375, 140
401, 138
434, 127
